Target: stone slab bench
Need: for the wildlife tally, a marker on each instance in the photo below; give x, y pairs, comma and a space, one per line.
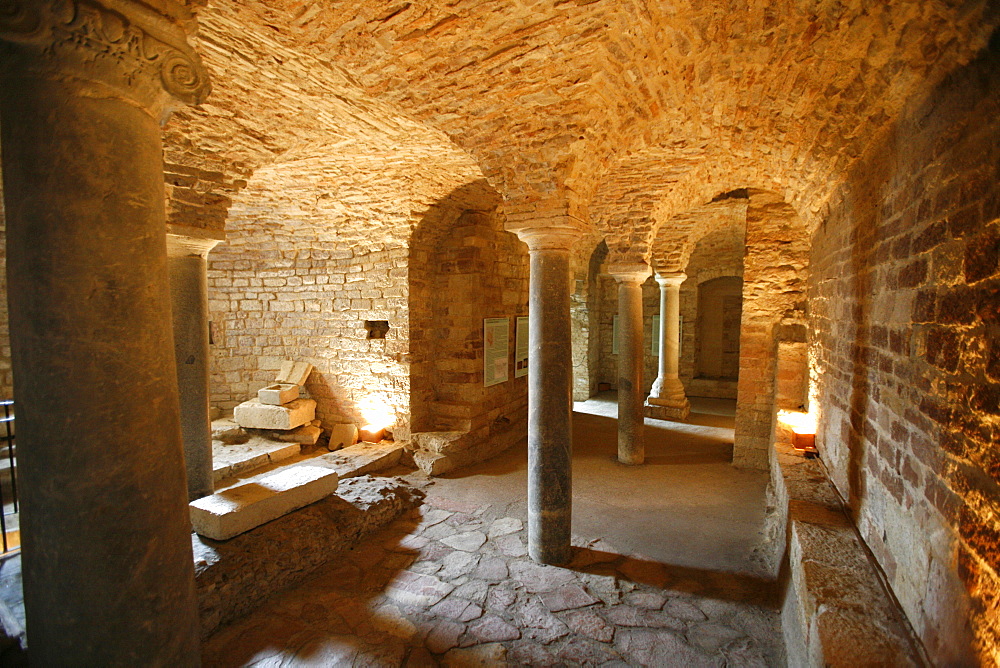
360, 459
836, 610
232, 460
238, 509
235, 576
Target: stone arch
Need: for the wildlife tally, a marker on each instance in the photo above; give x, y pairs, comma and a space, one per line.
317, 245
775, 271
717, 351
463, 267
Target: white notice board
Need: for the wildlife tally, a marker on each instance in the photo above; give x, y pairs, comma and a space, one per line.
496, 350
521, 346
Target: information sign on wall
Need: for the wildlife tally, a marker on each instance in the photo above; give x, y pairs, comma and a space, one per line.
521, 347
496, 350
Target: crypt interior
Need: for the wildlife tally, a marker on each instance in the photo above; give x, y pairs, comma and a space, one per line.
653, 333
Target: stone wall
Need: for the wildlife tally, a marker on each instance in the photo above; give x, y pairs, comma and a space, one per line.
718, 254
905, 327
464, 268
774, 286
315, 248
585, 307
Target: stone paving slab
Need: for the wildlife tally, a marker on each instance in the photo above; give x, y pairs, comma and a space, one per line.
232, 460
360, 459
417, 596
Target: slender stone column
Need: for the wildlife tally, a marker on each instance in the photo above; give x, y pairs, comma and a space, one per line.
668, 400
106, 557
550, 403
631, 444
187, 250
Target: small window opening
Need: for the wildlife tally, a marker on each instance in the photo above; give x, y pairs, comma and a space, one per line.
377, 329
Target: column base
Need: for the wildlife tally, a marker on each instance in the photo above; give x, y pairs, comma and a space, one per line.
664, 409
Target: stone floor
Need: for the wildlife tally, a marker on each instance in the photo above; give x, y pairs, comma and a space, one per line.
668, 569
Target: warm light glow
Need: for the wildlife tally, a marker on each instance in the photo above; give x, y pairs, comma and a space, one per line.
800, 423
376, 413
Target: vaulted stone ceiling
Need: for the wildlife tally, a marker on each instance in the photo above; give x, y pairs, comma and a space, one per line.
627, 111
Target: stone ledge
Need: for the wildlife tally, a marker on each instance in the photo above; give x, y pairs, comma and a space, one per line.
236, 576
356, 460
836, 611
239, 509
438, 453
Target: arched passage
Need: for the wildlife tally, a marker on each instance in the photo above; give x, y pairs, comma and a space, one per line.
720, 303
463, 269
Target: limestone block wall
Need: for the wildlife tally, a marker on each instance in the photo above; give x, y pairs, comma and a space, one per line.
607, 361
465, 268
775, 268
717, 254
316, 247
905, 330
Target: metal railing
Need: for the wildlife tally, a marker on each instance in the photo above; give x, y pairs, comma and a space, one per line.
7, 441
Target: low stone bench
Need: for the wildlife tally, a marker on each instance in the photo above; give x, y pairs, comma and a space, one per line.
836, 610
238, 509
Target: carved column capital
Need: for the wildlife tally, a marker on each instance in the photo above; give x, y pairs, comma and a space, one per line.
629, 272
671, 279
546, 238
136, 48
186, 241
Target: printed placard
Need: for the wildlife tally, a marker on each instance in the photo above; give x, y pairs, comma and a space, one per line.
521, 347
496, 350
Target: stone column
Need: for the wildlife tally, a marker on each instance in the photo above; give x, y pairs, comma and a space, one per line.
107, 562
187, 251
631, 444
668, 400
550, 403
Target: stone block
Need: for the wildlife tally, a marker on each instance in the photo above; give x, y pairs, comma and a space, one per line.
233, 460
438, 442
254, 414
362, 458
342, 436
238, 509
278, 394
294, 373
307, 434
659, 410
433, 463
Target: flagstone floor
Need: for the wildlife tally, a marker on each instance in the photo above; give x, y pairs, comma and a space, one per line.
666, 570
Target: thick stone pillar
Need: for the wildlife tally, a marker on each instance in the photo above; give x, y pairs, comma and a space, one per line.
187, 251
550, 402
107, 563
668, 400
631, 444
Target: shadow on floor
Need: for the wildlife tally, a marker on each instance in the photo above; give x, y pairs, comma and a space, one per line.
721, 586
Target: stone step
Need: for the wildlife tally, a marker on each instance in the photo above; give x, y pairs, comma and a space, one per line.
359, 459
440, 442
230, 460
238, 509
